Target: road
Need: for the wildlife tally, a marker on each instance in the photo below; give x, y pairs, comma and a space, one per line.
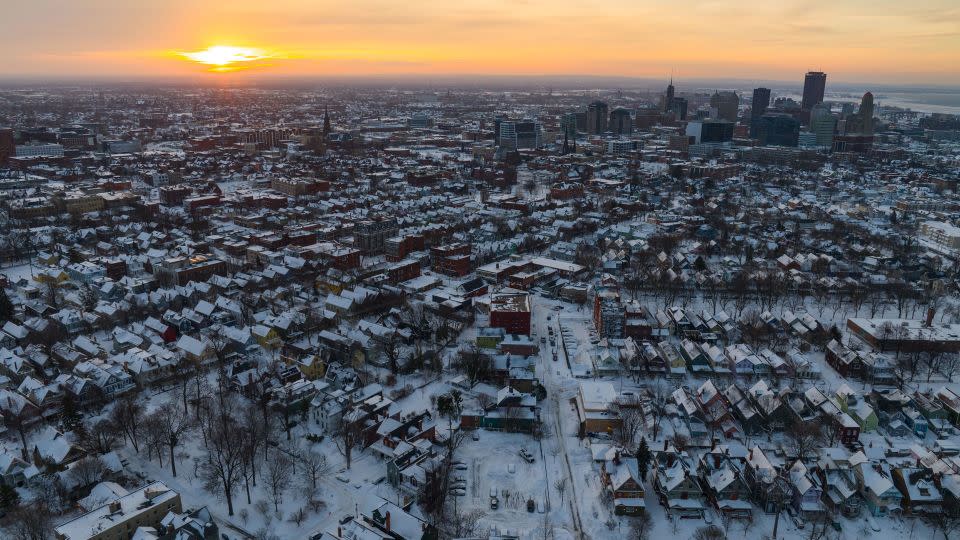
553, 375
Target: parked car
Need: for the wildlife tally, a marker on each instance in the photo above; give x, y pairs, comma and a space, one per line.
476, 435
458, 492
460, 467
531, 506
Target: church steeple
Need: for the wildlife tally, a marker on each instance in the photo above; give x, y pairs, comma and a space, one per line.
326, 121
566, 145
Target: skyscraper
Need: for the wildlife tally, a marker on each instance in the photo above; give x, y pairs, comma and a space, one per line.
679, 107
866, 114
761, 100
620, 121
814, 85
568, 125
724, 105
7, 145
858, 129
778, 129
823, 124
668, 99
523, 134
597, 113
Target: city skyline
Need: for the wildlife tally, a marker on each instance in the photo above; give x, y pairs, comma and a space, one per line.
880, 42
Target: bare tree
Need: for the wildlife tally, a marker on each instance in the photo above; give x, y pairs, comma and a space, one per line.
314, 466
641, 526
152, 437
224, 441
98, 438
390, 348
278, 473
173, 423
349, 436
30, 522
20, 418
561, 486
126, 418
631, 421
475, 364
709, 532
658, 405
804, 437
254, 439
86, 471
947, 522
457, 523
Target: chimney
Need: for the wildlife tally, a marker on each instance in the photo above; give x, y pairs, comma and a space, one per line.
713, 444
716, 461
750, 455
388, 521
616, 458
339, 532
664, 445
114, 507
930, 313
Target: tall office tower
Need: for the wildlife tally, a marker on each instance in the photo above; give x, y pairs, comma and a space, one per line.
778, 129
496, 128
646, 118
761, 100
620, 121
823, 124
679, 107
519, 135
668, 99
866, 114
597, 113
710, 131
506, 134
814, 85
527, 134
7, 144
568, 125
724, 105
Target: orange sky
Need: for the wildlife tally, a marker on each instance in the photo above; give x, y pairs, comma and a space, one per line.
852, 40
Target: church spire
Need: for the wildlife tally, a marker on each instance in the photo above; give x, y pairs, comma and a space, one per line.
326, 121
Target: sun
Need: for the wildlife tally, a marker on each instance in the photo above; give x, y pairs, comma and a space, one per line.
227, 58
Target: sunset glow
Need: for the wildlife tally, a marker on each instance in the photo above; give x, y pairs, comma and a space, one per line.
225, 58
853, 40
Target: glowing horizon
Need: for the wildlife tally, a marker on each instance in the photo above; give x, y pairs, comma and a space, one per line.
226, 58
881, 41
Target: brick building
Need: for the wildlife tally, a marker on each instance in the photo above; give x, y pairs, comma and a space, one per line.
510, 311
